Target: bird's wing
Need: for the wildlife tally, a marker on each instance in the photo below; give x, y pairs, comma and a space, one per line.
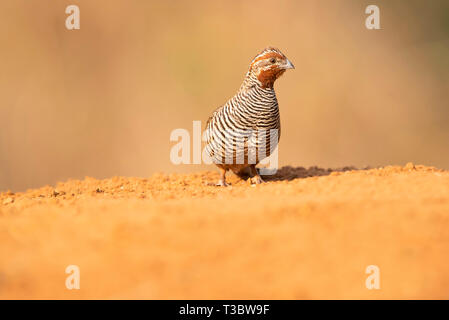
213, 115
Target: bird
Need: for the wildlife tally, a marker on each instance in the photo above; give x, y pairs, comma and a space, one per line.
239, 134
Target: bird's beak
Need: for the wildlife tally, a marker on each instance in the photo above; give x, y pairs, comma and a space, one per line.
288, 65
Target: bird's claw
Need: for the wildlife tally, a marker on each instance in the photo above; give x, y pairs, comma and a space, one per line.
218, 184
221, 183
256, 180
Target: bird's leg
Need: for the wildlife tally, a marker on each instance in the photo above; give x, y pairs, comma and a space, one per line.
222, 181
255, 177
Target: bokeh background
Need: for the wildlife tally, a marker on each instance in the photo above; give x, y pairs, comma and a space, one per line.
101, 101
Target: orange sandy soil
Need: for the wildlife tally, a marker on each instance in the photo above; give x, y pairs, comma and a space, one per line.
306, 234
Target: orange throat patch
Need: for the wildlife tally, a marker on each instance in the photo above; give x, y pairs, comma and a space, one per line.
269, 76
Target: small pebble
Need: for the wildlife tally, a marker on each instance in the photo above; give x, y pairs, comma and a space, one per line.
410, 166
8, 201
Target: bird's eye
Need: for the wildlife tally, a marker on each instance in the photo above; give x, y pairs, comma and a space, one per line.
272, 60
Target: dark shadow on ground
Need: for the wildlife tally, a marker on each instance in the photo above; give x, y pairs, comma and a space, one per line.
290, 173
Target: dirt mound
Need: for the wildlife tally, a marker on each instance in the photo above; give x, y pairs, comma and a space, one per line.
306, 233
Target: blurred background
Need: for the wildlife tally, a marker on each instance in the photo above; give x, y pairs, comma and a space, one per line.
101, 101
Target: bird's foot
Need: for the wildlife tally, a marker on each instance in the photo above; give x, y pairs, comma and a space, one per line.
221, 183
256, 180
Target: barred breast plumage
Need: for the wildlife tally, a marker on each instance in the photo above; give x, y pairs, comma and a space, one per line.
246, 128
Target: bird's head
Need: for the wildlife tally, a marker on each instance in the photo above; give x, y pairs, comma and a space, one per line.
269, 65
